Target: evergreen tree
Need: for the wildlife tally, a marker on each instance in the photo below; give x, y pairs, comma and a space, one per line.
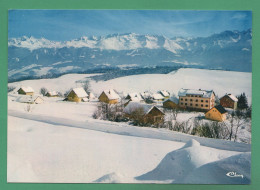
242, 101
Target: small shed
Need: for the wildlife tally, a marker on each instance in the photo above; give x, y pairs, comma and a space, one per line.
30, 99
171, 103
52, 94
148, 113
229, 101
77, 95
109, 97
157, 97
217, 113
26, 90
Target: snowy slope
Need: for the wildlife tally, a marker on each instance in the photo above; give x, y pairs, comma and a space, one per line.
41, 152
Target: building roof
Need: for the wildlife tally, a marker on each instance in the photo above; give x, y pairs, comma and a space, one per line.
131, 106
220, 108
146, 94
134, 96
111, 94
157, 96
203, 93
173, 99
27, 99
232, 97
91, 96
164, 93
52, 93
80, 92
27, 89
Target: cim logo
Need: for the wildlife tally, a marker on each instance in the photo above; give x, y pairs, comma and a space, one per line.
234, 174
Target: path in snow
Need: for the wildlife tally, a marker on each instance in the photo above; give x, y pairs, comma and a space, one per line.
125, 129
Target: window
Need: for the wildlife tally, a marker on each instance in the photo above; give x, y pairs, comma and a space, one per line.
186, 99
190, 104
185, 104
207, 106
207, 101
196, 100
201, 105
202, 101
191, 95
181, 103
191, 100
181, 98
197, 105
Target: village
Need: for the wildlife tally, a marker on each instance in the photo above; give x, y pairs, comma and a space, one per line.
213, 117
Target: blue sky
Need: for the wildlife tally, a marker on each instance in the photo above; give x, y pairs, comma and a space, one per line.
61, 25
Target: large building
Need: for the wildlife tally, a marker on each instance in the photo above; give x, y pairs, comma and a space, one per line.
196, 99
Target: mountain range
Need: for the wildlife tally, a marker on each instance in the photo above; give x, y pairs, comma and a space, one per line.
29, 56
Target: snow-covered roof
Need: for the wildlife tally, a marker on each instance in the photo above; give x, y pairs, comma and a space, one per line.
80, 92
27, 99
27, 89
132, 106
203, 93
146, 94
135, 96
232, 97
157, 96
91, 96
85, 99
52, 93
164, 93
111, 94
173, 99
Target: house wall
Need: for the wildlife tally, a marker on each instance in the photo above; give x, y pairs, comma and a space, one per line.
20, 91
103, 98
154, 116
215, 115
227, 102
73, 97
170, 105
197, 102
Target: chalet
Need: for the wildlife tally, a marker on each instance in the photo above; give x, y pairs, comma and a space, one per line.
134, 97
77, 95
52, 94
165, 94
217, 113
202, 100
171, 103
149, 114
109, 97
229, 101
26, 90
157, 98
91, 96
30, 99
146, 95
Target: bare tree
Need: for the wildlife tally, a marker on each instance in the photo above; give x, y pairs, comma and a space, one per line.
86, 86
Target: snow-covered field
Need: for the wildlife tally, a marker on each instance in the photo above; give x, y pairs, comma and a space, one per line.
59, 141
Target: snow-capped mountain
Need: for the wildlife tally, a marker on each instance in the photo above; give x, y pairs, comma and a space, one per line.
31, 56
